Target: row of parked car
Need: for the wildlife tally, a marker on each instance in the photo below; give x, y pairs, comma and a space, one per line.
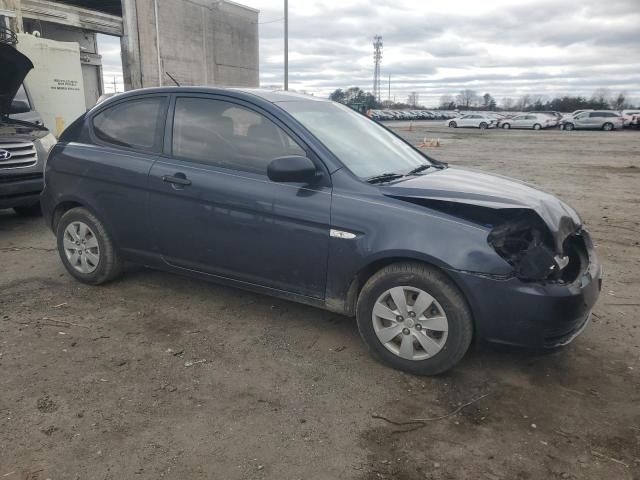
579, 120
385, 115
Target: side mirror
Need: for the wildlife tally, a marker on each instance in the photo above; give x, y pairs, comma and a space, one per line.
292, 168
19, 106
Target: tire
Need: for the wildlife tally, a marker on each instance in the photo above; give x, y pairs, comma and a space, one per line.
607, 127
482, 125
569, 126
506, 126
29, 210
537, 126
108, 265
453, 125
446, 301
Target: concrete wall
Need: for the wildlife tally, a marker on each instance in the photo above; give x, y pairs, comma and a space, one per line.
199, 42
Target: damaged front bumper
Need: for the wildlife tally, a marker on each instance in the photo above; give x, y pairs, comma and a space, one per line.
533, 314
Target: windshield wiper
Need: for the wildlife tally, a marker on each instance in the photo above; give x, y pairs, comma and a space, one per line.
384, 177
421, 168
23, 123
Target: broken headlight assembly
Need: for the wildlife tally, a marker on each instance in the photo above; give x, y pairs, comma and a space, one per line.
525, 243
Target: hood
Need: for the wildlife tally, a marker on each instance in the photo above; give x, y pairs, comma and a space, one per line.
15, 67
465, 186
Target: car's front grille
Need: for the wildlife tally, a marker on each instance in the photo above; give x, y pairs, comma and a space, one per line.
15, 154
20, 177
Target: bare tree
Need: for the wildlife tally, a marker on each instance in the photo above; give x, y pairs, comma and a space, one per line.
523, 102
619, 102
466, 98
413, 98
447, 102
507, 103
600, 98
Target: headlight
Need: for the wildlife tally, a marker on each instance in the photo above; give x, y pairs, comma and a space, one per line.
44, 147
524, 242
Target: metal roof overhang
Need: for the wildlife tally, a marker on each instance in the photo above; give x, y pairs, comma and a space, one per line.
101, 16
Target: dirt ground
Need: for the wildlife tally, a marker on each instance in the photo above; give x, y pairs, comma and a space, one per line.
158, 376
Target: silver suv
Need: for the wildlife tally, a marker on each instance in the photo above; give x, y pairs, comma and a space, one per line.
594, 120
24, 141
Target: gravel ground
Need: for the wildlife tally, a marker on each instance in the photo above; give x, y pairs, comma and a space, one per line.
158, 376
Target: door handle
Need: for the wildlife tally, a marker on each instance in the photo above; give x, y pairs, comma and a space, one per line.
177, 179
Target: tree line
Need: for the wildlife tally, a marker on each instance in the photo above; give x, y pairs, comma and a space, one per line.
468, 99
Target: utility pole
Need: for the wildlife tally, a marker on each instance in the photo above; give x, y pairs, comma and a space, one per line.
115, 90
286, 44
389, 95
377, 61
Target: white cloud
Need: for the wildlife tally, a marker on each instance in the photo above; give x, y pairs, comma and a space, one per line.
506, 48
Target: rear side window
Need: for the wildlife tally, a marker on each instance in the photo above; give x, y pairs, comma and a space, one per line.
132, 124
228, 135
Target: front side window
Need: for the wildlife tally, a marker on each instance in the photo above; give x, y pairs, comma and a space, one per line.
228, 135
363, 146
133, 124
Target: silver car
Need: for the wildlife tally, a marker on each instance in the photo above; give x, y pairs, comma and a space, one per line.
535, 121
594, 120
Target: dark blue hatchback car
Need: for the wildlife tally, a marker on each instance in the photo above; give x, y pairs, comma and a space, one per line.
304, 199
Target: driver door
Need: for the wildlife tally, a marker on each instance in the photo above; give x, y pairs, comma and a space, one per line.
214, 210
464, 121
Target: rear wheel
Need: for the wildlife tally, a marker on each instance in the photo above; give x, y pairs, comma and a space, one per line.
86, 249
482, 125
537, 126
29, 210
607, 127
413, 318
453, 125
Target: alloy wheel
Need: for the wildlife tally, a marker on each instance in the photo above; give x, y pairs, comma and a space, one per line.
410, 323
81, 247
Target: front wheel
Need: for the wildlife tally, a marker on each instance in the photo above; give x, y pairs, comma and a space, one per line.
482, 125
568, 126
453, 125
506, 126
413, 318
607, 127
86, 249
537, 126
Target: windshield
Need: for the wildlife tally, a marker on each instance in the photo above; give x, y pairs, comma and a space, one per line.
363, 146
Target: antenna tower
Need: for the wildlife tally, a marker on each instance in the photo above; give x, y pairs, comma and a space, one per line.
377, 62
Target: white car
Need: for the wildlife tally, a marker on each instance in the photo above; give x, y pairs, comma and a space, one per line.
631, 118
535, 121
569, 116
474, 120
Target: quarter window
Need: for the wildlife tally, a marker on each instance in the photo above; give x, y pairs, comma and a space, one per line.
227, 135
133, 124
21, 95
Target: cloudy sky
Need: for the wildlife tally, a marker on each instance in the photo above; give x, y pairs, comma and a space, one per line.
505, 47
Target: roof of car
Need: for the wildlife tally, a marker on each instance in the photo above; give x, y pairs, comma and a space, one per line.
270, 95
